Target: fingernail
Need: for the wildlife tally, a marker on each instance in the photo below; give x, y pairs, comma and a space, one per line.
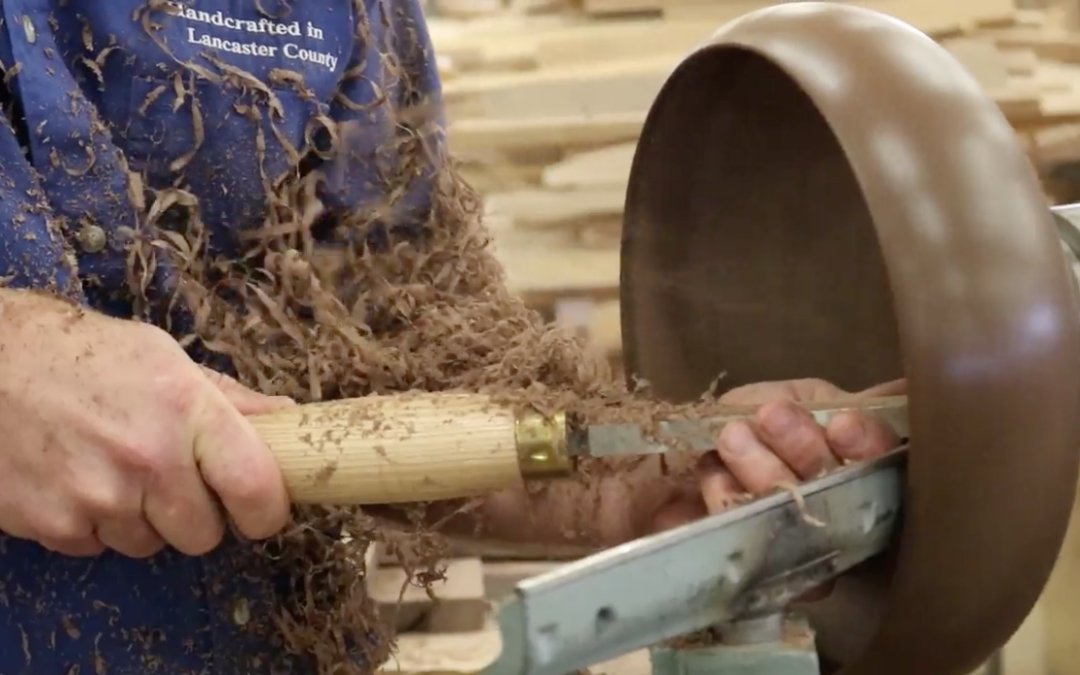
780, 421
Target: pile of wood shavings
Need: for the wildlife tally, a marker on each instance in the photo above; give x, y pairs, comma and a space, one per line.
417, 313
363, 304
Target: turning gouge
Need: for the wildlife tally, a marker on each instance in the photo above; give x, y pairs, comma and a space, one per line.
699, 435
426, 447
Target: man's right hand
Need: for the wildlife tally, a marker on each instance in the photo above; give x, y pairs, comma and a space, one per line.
114, 438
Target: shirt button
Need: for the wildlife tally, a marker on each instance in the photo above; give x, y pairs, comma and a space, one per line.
241, 613
28, 28
91, 238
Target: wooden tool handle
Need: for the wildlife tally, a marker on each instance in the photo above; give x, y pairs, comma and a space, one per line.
398, 448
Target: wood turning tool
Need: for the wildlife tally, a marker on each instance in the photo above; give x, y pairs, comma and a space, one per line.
818, 191
426, 447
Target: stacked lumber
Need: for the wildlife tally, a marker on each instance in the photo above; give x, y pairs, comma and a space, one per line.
545, 102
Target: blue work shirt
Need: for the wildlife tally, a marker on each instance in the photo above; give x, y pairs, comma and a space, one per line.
95, 89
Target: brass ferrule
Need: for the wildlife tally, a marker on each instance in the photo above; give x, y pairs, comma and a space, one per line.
542, 448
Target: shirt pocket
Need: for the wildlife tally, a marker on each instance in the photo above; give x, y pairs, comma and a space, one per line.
222, 142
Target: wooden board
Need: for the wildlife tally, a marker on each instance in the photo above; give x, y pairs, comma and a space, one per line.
930, 16
450, 631
608, 167
564, 130
453, 634
614, 87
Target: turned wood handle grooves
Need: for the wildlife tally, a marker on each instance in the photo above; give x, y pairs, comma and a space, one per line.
404, 448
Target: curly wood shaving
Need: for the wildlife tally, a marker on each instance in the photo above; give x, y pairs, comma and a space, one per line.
320, 306
800, 503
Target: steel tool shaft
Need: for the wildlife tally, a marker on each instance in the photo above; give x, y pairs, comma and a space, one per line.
432, 446
602, 440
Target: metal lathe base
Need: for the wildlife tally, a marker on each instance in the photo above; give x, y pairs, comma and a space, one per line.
770, 645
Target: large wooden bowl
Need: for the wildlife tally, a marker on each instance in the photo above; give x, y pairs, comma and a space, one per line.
823, 191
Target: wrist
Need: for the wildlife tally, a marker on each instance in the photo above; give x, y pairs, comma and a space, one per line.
27, 316
19, 303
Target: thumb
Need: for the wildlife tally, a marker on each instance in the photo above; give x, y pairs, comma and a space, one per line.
246, 401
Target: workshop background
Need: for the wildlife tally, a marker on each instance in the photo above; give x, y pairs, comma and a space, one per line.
545, 100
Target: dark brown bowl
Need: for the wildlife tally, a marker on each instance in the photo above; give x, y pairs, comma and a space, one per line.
823, 191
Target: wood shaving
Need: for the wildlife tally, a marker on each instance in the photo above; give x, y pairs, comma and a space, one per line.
386, 298
800, 503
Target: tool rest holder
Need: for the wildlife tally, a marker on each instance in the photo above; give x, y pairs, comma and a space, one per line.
823, 191
1067, 219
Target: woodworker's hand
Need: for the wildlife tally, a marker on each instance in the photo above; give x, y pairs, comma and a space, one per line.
784, 445
622, 498
114, 438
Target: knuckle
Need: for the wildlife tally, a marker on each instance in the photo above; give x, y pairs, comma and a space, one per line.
154, 344
214, 376
145, 549
81, 548
61, 528
811, 463
131, 539
143, 456
99, 500
767, 410
250, 491
780, 417
181, 392
259, 517
205, 538
154, 337
188, 520
846, 433
808, 442
884, 437
175, 385
817, 386
736, 394
141, 547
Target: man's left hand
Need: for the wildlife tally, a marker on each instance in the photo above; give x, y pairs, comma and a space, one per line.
783, 445
626, 498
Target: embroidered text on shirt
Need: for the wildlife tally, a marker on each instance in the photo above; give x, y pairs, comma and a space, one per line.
262, 26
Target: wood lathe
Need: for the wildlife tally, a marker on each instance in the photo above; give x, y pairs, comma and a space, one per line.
818, 191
